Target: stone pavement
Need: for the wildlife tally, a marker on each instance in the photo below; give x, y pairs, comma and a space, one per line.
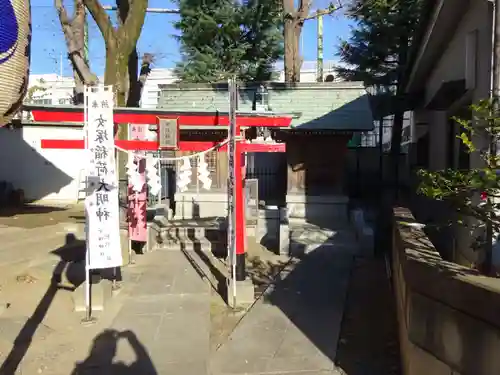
160, 322
28, 247
294, 328
163, 326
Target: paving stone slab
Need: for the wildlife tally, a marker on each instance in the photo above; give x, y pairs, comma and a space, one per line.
11, 329
295, 326
157, 281
181, 368
314, 372
168, 313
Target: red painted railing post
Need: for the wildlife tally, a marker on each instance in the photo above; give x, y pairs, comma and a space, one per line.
239, 208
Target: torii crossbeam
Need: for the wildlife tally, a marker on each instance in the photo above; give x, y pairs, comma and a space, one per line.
185, 119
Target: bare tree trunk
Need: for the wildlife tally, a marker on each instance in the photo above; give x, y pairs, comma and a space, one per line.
74, 35
78, 26
137, 82
120, 43
293, 19
297, 57
133, 99
293, 60
289, 39
116, 73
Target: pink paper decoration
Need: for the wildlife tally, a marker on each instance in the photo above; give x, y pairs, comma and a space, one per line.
137, 202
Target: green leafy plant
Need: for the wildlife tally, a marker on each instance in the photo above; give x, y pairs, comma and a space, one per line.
473, 192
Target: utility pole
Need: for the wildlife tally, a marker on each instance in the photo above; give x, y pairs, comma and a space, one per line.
319, 62
495, 99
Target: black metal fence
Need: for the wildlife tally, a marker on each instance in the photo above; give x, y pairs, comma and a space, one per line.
270, 171
369, 168
167, 171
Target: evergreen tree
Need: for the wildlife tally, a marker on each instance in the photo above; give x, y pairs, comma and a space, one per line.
378, 47
222, 38
263, 34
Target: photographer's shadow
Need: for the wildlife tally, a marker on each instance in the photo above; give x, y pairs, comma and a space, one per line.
100, 360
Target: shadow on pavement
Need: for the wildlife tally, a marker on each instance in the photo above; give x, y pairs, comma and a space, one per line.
31, 216
344, 306
27, 209
103, 351
72, 252
369, 337
312, 293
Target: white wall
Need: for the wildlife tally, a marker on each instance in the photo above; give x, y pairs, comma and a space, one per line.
151, 90
43, 174
453, 66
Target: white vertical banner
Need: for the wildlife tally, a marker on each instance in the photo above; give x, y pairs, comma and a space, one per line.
231, 194
101, 204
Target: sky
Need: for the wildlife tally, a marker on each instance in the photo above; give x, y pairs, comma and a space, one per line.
49, 50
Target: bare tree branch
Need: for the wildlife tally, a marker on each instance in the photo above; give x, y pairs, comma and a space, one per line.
102, 20
131, 29
74, 51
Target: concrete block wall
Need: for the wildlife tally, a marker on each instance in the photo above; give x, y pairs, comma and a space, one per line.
447, 314
190, 205
332, 208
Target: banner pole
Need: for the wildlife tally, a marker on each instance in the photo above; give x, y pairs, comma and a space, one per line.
88, 299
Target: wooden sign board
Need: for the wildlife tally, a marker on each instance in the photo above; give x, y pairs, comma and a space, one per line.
168, 134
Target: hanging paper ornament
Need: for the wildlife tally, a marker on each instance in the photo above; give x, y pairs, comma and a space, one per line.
184, 175
204, 173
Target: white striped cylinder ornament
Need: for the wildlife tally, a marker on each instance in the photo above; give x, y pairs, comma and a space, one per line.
15, 40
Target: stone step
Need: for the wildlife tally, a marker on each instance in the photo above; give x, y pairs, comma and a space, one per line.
202, 245
193, 233
168, 233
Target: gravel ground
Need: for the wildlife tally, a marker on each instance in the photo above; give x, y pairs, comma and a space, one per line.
368, 342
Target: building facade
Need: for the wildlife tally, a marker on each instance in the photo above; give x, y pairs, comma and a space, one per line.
450, 69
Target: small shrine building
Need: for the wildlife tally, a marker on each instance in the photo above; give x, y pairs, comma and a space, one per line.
309, 175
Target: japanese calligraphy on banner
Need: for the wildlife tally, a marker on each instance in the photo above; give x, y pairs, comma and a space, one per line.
231, 148
137, 228
101, 203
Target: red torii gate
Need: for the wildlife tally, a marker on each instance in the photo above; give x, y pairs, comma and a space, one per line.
185, 120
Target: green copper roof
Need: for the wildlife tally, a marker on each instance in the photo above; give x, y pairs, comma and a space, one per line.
324, 106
